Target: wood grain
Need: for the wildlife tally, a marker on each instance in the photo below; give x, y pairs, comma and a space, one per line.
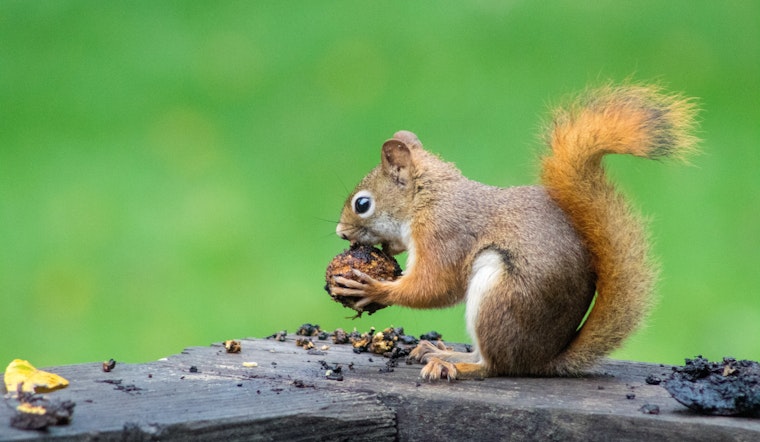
288, 397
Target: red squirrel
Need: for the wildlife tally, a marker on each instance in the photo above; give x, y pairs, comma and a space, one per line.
528, 260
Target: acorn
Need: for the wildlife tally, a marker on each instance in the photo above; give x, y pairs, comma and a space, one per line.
368, 259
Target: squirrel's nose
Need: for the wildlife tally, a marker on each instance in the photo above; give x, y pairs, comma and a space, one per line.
341, 231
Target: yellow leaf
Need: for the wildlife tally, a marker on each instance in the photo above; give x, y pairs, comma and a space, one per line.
22, 373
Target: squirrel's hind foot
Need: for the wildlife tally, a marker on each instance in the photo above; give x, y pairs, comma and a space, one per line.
443, 363
437, 369
425, 349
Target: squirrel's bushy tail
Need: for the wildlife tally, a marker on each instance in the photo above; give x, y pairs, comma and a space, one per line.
630, 119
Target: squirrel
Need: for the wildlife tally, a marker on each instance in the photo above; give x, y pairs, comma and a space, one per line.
528, 261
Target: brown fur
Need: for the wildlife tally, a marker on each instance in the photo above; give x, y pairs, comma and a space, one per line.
634, 120
527, 260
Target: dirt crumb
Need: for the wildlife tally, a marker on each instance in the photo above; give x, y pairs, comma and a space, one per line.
727, 388
36, 412
232, 346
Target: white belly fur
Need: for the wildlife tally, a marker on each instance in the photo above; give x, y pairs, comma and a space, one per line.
486, 271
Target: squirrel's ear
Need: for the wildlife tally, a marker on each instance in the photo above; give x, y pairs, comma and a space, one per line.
408, 138
397, 161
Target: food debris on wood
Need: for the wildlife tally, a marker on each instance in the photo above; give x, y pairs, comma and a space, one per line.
279, 336
386, 342
304, 343
727, 388
650, 409
339, 336
109, 365
653, 380
390, 364
232, 346
128, 388
332, 372
392, 343
298, 383
312, 330
366, 259
308, 330
431, 336
36, 412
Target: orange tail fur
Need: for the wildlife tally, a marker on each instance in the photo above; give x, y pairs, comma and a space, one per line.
631, 119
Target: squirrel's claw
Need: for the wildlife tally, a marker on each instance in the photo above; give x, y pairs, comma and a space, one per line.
437, 369
363, 303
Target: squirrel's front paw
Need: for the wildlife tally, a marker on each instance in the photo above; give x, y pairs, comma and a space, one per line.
437, 369
348, 287
364, 286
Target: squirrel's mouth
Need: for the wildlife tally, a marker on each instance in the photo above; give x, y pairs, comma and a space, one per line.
387, 247
363, 236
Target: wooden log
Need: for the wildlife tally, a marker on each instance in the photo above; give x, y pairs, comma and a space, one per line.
205, 393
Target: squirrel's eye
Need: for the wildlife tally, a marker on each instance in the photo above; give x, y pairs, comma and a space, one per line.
363, 204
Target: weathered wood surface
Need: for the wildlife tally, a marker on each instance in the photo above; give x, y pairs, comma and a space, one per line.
288, 397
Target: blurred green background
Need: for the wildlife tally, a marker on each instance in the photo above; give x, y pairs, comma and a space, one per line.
171, 172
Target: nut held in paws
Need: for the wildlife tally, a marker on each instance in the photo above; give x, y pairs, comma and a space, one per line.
368, 259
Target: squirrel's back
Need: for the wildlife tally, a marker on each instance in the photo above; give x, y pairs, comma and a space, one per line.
636, 120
